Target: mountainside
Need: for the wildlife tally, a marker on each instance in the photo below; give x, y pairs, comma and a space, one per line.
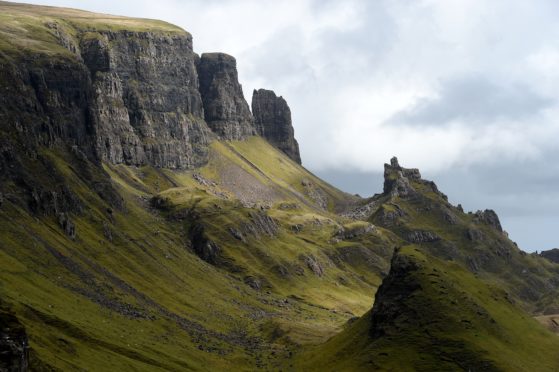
432, 315
151, 221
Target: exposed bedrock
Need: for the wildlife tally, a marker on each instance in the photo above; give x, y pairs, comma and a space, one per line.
120, 96
225, 108
272, 119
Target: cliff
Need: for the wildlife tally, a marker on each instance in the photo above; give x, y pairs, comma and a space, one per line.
121, 95
146, 106
121, 90
272, 118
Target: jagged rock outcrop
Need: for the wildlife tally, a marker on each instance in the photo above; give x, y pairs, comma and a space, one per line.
353, 232
490, 218
397, 180
272, 119
313, 264
225, 108
422, 237
259, 225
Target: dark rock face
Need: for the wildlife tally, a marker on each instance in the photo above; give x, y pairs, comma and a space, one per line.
14, 345
45, 102
147, 106
272, 119
225, 109
67, 225
54, 202
122, 97
203, 247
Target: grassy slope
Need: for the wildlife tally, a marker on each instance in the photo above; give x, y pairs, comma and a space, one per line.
259, 166
457, 322
492, 255
474, 305
145, 301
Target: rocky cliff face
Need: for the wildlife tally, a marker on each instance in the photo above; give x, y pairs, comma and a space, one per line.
123, 96
146, 105
225, 108
43, 102
397, 179
272, 119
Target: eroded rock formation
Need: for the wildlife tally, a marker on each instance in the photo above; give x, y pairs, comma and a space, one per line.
272, 119
225, 108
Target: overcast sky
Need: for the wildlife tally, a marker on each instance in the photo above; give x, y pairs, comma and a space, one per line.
465, 90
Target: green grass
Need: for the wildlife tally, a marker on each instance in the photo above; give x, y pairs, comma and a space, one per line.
73, 296
453, 321
59, 288
28, 29
494, 257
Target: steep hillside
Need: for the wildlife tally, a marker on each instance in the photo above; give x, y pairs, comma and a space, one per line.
246, 262
432, 315
460, 295
419, 213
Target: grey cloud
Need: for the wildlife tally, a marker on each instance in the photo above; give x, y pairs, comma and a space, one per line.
475, 100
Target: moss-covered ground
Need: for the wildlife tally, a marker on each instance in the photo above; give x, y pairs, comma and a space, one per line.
129, 292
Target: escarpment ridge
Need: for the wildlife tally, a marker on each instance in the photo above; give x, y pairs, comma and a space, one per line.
135, 95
